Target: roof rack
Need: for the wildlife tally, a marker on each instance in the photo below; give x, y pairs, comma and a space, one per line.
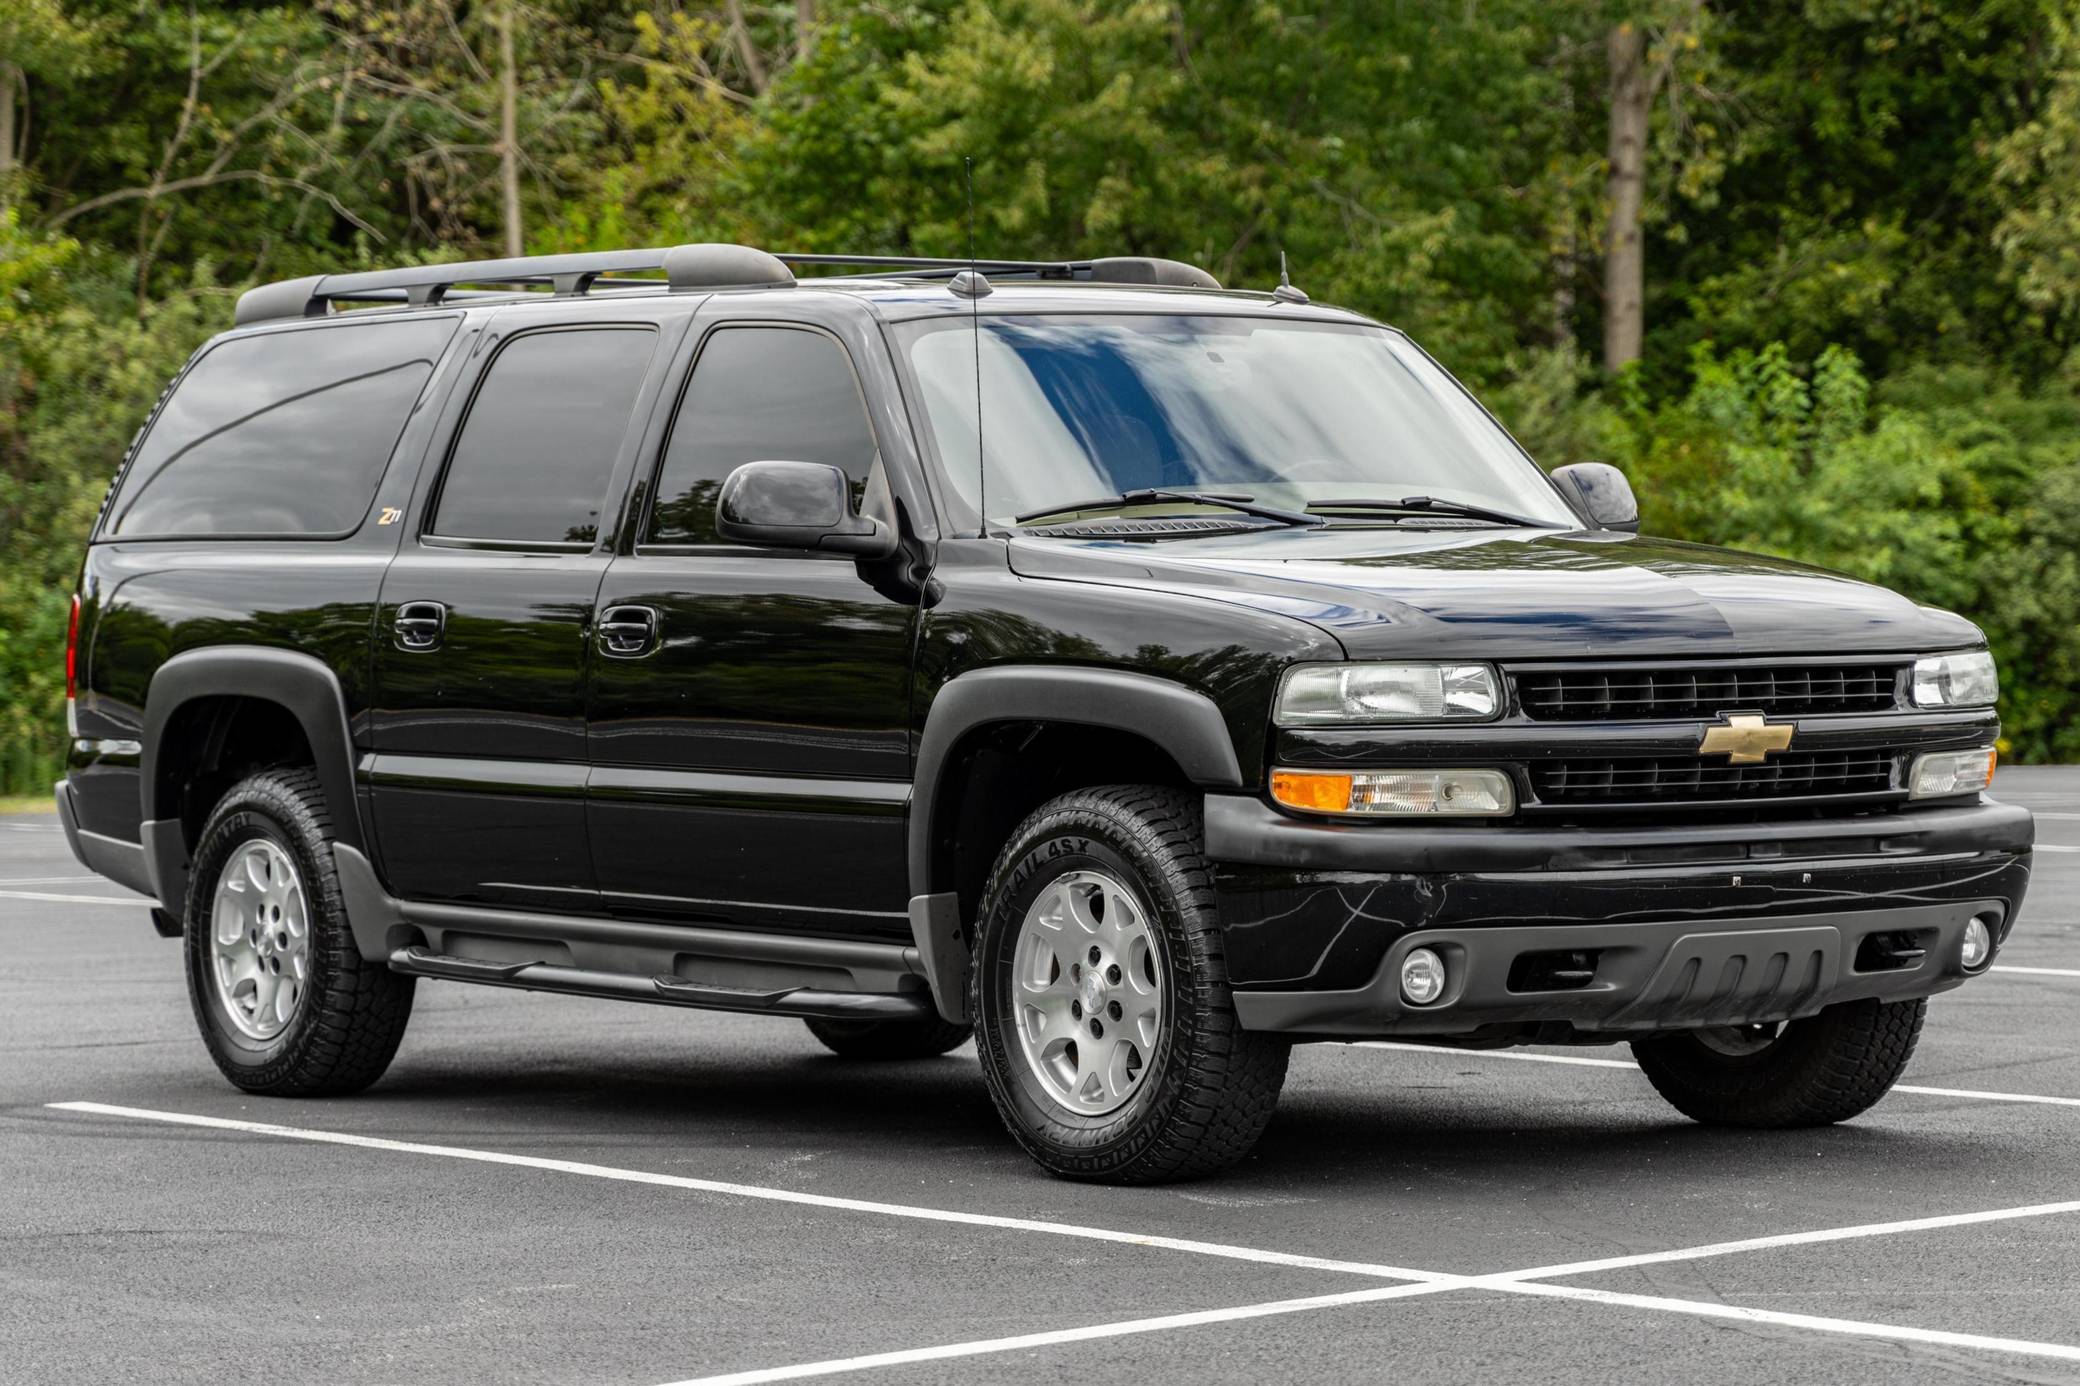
700, 266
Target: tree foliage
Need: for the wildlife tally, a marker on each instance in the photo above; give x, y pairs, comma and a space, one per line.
1859, 222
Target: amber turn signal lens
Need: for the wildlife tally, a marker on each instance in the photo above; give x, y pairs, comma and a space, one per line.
1315, 793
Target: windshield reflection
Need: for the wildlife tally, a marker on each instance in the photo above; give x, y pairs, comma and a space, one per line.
1075, 408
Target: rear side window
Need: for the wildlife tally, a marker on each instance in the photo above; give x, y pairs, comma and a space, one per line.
532, 460
280, 434
758, 394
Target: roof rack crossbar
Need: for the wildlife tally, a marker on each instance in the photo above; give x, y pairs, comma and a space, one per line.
684, 266
927, 262
1118, 269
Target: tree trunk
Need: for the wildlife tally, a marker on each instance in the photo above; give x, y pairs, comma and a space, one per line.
747, 51
10, 83
804, 29
1624, 265
508, 131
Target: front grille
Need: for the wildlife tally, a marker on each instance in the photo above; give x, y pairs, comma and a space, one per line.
1704, 690
1646, 781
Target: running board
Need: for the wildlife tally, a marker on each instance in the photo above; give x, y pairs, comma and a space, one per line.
665, 991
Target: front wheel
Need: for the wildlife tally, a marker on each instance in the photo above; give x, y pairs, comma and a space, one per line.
1811, 1072
1104, 1022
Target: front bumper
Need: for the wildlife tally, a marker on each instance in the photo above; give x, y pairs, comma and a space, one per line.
1686, 925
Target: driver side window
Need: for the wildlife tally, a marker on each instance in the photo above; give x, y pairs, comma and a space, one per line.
757, 394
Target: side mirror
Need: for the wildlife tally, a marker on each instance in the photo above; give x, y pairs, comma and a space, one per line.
1601, 492
797, 505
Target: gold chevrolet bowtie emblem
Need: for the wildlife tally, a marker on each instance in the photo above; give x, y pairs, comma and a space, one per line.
1745, 738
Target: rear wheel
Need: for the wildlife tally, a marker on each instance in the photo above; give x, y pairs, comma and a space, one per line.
1811, 1072
888, 1039
285, 1001
1104, 1022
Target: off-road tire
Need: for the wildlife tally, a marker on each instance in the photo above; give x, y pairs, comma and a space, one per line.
1816, 1072
1211, 1086
888, 1039
353, 1012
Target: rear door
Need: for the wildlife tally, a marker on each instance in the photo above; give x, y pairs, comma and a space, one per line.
477, 787
750, 706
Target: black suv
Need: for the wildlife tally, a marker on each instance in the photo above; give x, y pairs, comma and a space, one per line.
1136, 675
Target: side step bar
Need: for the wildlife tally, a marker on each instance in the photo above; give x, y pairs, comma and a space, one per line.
665, 991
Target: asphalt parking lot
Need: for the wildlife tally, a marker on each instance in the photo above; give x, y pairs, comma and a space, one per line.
552, 1190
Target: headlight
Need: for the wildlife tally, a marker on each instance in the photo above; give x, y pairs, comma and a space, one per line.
1957, 680
1328, 694
1396, 793
1940, 773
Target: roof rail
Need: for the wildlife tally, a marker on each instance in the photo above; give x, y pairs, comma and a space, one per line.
1117, 269
703, 266
700, 266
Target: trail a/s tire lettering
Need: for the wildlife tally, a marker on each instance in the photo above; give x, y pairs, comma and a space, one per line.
1045, 854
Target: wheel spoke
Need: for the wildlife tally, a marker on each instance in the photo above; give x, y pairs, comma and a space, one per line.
1079, 899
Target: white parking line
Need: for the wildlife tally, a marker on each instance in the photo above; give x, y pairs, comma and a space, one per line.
759, 1191
1530, 1281
1026, 1341
1524, 1282
2029, 1098
47, 880
132, 900
1855, 1232
1854, 1327
2038, 971
2055, 847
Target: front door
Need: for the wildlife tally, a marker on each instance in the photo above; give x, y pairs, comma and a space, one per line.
477, 787
750, 707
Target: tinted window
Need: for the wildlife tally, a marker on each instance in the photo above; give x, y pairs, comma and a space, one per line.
281, 433
533, 456
757, 394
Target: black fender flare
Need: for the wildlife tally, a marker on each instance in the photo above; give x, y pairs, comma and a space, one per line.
298, 682
1183, 721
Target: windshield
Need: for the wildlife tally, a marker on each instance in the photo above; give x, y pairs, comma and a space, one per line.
1077, 408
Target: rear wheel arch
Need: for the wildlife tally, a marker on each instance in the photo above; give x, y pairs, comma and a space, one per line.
224, 710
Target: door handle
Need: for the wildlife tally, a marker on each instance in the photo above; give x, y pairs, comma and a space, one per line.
420, 625
627, 632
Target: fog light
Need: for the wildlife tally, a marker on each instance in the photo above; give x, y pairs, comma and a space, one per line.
1941, 773
1978, 945
1422, 977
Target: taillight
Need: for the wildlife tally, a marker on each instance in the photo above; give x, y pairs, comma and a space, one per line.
72, 653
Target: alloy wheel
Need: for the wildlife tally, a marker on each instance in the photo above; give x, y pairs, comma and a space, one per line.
260, 937
1087, 996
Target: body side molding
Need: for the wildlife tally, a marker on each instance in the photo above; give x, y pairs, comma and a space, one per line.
1181, 720
298, 682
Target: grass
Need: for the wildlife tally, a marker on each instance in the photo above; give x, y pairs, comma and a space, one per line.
25, 803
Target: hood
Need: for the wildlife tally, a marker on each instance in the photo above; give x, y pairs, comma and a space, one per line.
1514, 594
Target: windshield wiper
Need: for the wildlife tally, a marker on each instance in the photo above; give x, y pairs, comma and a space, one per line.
1433, 505
1243, 504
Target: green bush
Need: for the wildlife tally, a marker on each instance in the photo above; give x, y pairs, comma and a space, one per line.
1946, 484
79, 367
